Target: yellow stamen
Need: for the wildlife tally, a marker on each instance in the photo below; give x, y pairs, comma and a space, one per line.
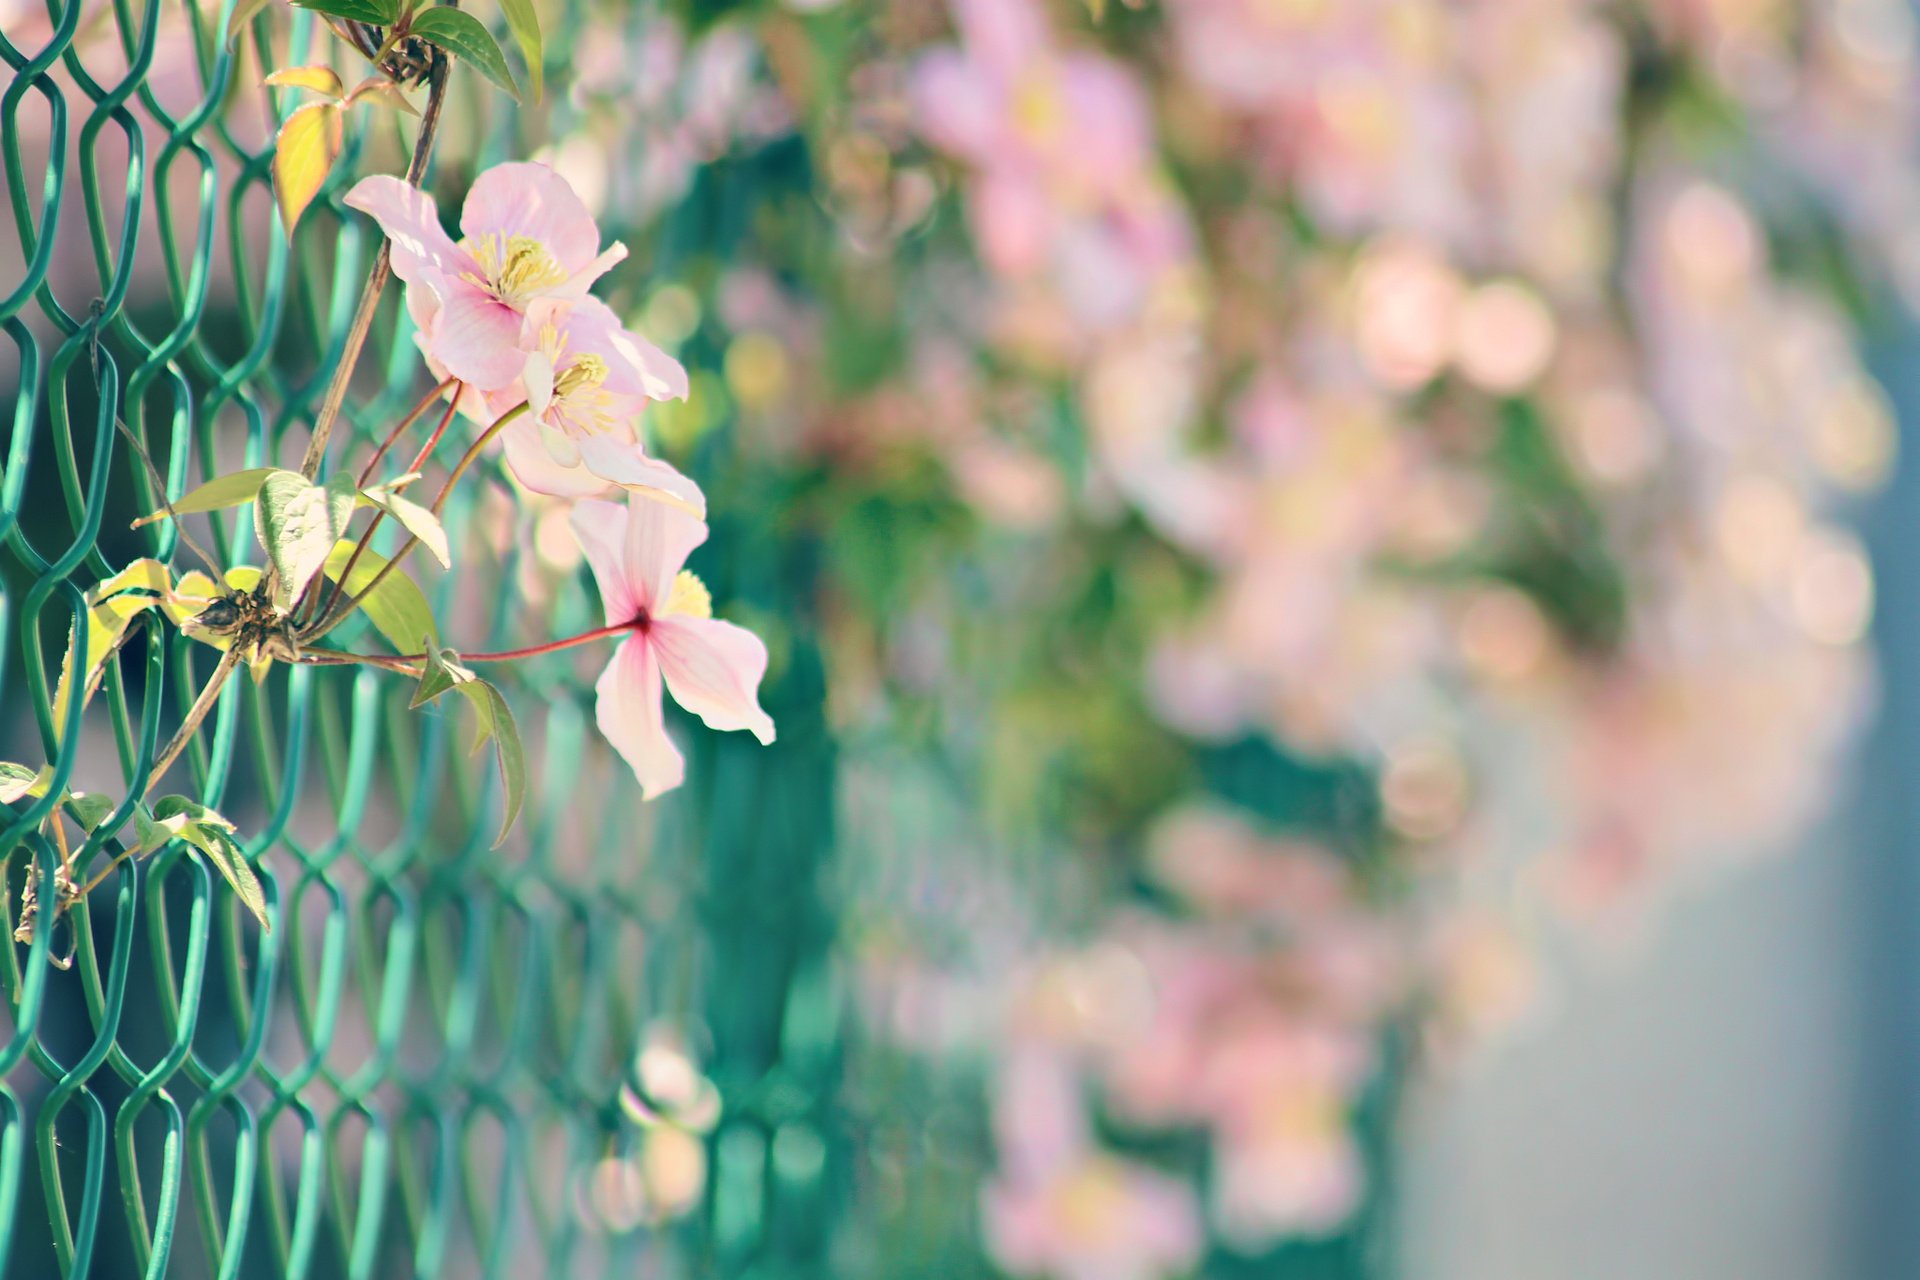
689, 597
586, 373
516, 271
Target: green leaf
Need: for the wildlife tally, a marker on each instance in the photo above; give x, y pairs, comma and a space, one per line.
90, 808
415, 519
298, 523
212, 835
303, 154
493, 722
18, 782
243, 13
220, 492
396, 607
149, 832
375, 13
441, 673
496, 722
525, 25
467, 38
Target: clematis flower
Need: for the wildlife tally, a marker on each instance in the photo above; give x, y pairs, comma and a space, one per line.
528, 247
586, 383
1062, 1208
712, 668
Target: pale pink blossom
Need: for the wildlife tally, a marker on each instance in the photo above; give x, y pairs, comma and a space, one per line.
1062, 1208
586, 384
528, 246
712, 668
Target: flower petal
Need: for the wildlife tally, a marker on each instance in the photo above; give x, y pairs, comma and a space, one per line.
628, 712
623, 462
659, 539
535, 467
526, 199
659, 375
477, 338
537, 374
422, 253
600, 528
713, 669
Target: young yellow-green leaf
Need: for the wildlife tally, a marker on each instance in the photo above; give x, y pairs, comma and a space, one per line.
320, 78
221, 492
467, 38
375, 13
243, 13
298, 522
212, 835
415, 519
396, 607
303, 154
17, 782
111, 606
525, 25
382, 90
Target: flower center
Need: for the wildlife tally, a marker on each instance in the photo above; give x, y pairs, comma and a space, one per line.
517, 268
1091, 1202
689, 597
585, 374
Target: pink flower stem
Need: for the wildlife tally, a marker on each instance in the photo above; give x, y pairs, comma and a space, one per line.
366, 534
405, 662
393, 437
426, 450
337, 614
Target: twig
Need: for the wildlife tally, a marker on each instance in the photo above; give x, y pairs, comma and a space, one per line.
209, 694
369, 296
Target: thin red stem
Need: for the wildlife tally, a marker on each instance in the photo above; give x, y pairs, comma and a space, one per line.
420, 459
393, 437
332, 657
366, 535
329, 620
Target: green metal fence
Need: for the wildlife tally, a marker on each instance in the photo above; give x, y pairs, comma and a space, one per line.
429, 1066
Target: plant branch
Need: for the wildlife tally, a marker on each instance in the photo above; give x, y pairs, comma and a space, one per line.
209, 694
393, 437
331, 620
406, 662
370, 296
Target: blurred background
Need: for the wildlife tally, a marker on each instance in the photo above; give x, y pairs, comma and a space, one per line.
1338, 591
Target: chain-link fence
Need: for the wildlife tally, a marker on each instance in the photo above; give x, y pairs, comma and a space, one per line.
440, 1059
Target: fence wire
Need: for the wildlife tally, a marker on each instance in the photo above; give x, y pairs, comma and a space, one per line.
436, 1061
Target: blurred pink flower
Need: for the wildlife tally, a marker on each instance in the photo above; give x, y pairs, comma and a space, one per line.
528, 245
1063, 1209
712, 668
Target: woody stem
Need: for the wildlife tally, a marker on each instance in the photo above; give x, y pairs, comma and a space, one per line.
370, 295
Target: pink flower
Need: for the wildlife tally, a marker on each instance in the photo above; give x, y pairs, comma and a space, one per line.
586, 384
528, 245
712, 668
1061, 1207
